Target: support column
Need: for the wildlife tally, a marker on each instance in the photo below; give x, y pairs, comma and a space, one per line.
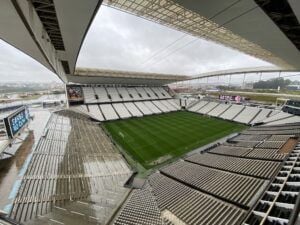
260, 76
244, 80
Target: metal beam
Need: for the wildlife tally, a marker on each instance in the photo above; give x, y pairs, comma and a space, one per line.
241, 71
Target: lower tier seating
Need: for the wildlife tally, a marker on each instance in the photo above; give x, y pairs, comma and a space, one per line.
233, 187
114, 111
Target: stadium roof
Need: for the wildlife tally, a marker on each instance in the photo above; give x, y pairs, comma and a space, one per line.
242, 71
97, 76
52, 31
247, 26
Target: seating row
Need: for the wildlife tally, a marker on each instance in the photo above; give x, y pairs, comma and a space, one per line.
114, 111
122, 94
237, 113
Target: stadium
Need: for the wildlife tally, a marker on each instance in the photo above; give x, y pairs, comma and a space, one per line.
127, 151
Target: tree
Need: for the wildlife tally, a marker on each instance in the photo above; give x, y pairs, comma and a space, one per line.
272, 83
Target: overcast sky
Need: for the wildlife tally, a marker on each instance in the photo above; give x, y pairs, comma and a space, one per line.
117, 40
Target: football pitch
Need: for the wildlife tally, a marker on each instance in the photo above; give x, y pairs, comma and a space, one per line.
152, 140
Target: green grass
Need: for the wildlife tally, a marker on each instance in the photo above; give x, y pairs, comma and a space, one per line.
155, 139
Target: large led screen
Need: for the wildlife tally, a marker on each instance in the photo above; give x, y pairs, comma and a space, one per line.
18, 120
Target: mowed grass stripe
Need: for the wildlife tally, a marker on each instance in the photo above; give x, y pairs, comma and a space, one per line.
150, 139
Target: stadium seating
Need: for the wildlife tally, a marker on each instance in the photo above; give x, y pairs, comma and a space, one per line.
247, 115
163, 92
221, 108
89, 95
157, 92
143, 108
152, 107
102, 94
142, 93
242, 114
292, 119
230, 150
191, 206
125, 102
133, 109
243, 137
114, 95
81, 109
207, 108
124, 93
232, 112
174, 103
74, 168
150, 92
108, 112
198, 106
266, 153
140, 209
161, 106
233, 187
263, 114
277, 204
95, 111
168, 105
276, 117
251, 167
121, 110
135, 95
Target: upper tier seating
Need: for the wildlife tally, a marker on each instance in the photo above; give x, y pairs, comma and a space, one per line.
114, 94
134, 94
142, 93
124, 93
89, 95
101, 94
150, 92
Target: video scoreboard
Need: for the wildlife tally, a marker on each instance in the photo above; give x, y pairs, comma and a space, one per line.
16, 121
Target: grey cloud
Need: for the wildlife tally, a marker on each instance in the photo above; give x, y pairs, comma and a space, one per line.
121, 41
